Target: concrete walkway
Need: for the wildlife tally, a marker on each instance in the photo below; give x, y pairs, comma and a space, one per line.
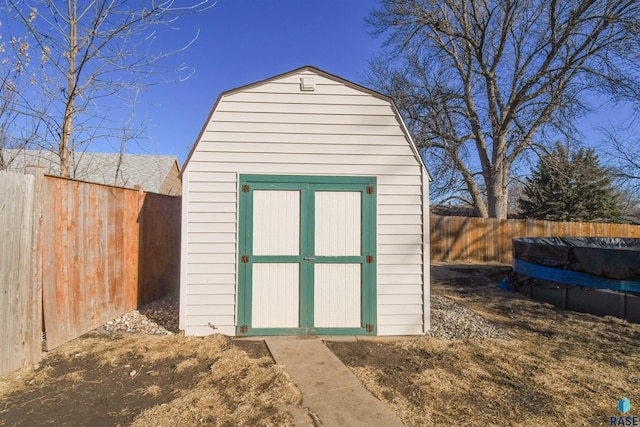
328, 388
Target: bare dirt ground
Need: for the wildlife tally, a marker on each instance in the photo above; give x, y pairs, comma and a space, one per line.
553, 367
524, 363
145, 380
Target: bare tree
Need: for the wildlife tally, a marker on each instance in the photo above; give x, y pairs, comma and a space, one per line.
481, 82
98, 55
623, 154
17, 127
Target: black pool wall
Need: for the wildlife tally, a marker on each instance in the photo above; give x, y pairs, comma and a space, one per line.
600, 263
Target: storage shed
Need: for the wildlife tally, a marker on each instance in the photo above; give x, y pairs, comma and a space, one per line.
304, 211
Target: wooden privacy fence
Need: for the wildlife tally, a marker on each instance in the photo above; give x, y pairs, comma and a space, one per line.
20, 270
102, 251
489, 240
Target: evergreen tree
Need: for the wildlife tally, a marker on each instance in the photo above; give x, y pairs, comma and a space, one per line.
569, 186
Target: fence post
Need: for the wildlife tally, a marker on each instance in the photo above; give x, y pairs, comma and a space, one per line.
36, 261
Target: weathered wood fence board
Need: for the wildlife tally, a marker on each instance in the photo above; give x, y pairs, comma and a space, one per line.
77, 255
20, 286
108, 250
489, 240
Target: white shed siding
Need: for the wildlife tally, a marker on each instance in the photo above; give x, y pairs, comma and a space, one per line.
274, 128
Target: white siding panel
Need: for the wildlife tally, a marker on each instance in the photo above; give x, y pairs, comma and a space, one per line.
211, 248
399, 249
229, 300
395, 229
399, 279
212, 197
401, 269
415, 308
400, 290
399, 179
329, 129
202, 207
220, 309
350, 110
400, 200
409, 239
311, 148
295, 158
211, 137
398, 190
276, 295
399, 210
297, 118
337, 223
273, 128
276, 222
212, 207
198, 236
337, 299
402, 259
208, 187
212, 216
305, 166
210, 268
211, 227
391, 219
213, 289
211, 258
293, 87
392, 319
211, 177
401, 300
386, 330
305, 98
212, 320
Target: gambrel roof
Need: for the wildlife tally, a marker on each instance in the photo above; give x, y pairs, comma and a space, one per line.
327, 75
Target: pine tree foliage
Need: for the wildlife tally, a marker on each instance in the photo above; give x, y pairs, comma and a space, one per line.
569, 186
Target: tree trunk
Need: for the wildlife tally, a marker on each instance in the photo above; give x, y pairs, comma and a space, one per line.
498, 192
67, 124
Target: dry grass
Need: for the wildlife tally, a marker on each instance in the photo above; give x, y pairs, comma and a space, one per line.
186, 364
32, 376
153, 390
560, 367
226, 388
236, 391
74, 377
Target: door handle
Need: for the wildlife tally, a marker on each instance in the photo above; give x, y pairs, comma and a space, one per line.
309, 259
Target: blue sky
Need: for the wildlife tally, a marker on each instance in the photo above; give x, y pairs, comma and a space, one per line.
243, 41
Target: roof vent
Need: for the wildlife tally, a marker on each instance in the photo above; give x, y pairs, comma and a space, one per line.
307, 83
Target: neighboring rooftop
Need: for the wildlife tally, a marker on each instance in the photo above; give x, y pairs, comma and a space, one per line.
157, 174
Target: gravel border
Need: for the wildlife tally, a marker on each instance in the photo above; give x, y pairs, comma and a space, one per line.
449, 320
159, 317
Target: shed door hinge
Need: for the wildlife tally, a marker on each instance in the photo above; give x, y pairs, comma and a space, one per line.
369, 259
369, 190
244, 259
369, 328
245, 188
244, 329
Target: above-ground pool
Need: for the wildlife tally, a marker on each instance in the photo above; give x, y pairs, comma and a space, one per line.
598, 275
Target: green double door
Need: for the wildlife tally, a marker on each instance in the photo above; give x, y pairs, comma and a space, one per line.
306, 255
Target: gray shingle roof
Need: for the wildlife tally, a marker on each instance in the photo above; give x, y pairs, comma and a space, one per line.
146, 171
